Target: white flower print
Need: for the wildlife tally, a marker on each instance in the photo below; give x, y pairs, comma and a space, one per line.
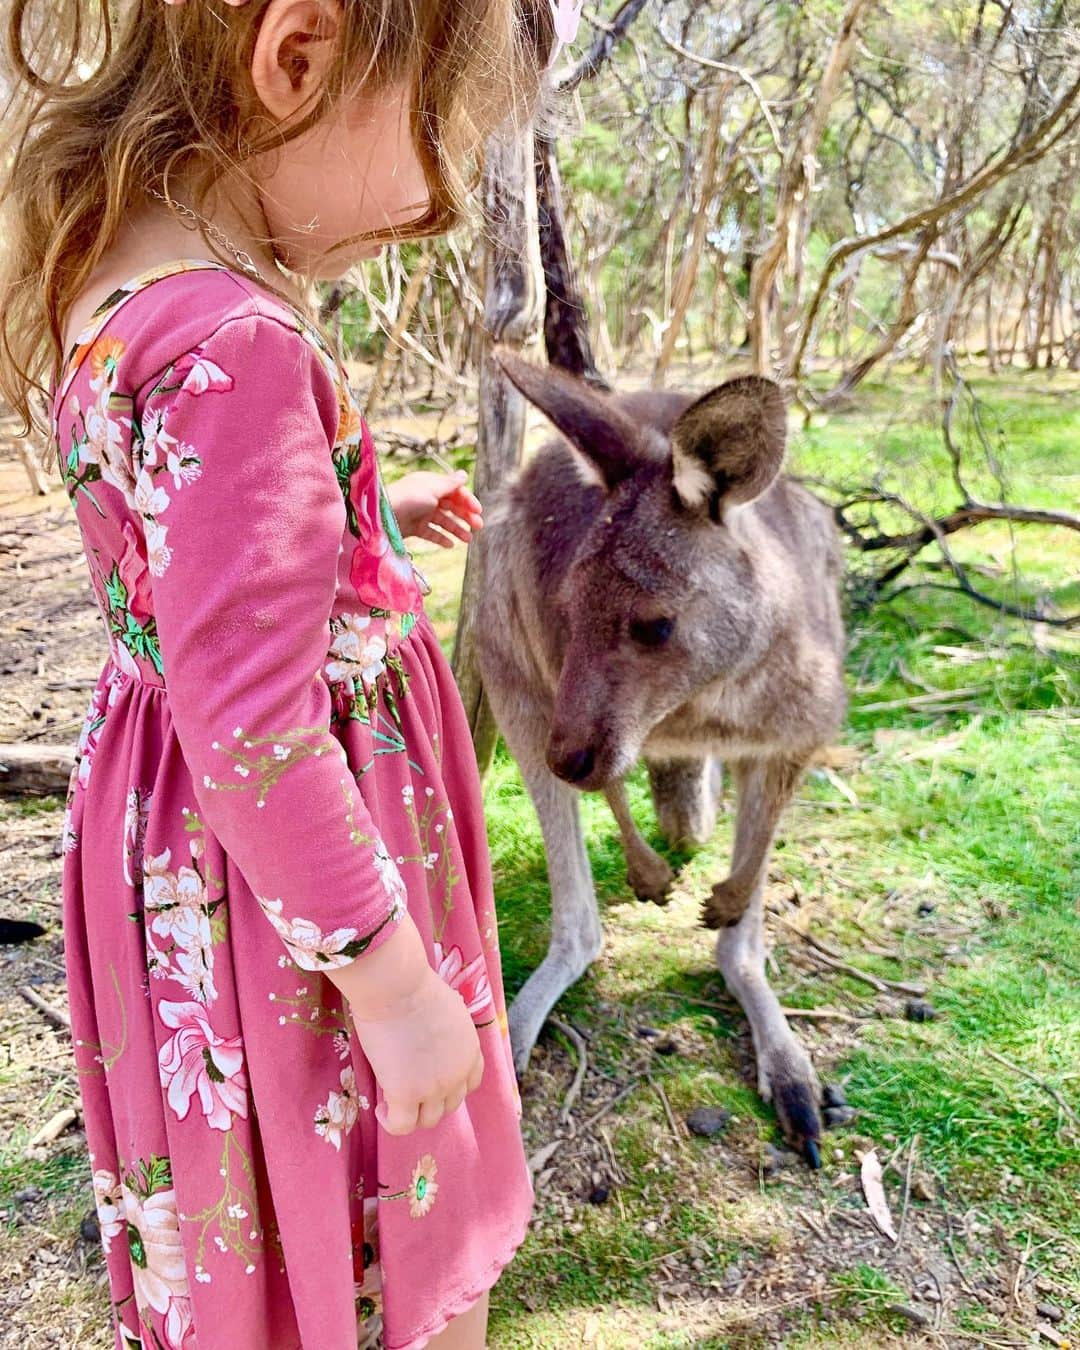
150, 500
136, 815
308, 946
109, 1201
356, 653
157, 443
180, 907
338, 1114
158, 553
157, 1262
391, 879
105, 447
196, 1061
183, 466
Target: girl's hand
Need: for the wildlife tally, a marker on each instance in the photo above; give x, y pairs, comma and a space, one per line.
415, 1031
437, 507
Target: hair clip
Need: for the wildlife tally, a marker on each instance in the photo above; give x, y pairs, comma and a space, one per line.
567, 15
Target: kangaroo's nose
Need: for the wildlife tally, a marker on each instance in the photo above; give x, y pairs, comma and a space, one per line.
575, 766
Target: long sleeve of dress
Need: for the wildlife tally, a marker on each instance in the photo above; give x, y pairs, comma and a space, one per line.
243, 517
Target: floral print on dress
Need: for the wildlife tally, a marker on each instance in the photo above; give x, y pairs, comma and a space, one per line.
335, 1117
157, 1254
470, 981
196, 1062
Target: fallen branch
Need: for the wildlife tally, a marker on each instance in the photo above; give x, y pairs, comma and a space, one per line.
833, 958
1039, 1082
578, 1042
53, 1128
56, 1016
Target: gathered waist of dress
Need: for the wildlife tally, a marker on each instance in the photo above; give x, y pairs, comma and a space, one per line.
360, 649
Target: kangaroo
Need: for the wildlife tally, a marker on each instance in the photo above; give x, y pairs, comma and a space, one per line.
656, 588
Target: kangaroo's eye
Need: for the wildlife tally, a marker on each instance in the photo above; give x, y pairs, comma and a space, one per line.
651, 632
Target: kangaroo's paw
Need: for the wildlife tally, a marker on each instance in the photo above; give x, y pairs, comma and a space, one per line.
787, 1078
650, 877
726, 904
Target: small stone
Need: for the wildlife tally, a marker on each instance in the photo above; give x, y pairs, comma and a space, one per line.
28, 1195
833, 1095
707, 1121
836, 1116
665, 1047
925, 907
599, 1195
646, 1033
90, 1229
1050, 1311
918, 1010
922, 1187
776, 1159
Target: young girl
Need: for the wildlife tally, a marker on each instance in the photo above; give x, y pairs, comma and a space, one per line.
281, 946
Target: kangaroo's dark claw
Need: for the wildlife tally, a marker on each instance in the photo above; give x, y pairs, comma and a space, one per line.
812, 1153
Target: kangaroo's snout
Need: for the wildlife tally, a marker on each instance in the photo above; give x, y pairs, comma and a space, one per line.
573, 766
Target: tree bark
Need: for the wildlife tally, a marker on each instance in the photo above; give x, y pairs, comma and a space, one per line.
513, 293
566, 323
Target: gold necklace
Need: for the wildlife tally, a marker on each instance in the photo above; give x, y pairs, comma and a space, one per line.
246, 261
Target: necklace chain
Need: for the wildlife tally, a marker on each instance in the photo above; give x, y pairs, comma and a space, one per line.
246, 261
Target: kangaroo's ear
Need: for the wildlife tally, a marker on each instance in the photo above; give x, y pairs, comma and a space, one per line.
588, 418
727, 448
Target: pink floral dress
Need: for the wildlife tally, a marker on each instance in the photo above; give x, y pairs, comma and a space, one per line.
275, 766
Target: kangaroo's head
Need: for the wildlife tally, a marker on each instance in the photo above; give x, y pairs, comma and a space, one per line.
664, 595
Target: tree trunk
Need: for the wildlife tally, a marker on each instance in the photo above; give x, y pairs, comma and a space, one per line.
513, 294
566, 323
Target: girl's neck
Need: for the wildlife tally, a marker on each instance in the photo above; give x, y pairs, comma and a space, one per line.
153, 235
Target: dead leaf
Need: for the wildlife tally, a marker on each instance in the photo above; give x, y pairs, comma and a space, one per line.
874, 1191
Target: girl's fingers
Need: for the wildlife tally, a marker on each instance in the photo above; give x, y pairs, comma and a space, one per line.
397, 1117
445, 521
431, 1112
454, 1101
434, 537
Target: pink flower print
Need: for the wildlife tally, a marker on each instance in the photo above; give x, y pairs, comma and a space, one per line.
356, 653
135, 575
470, 981
197, 1061
157, 1262
308, 946
179, 904
381, 578
109, 1201
338, 1114
197, 374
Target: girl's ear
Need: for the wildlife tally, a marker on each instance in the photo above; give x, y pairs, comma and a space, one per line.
293, 52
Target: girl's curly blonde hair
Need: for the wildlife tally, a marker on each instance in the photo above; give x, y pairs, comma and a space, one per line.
108, 98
